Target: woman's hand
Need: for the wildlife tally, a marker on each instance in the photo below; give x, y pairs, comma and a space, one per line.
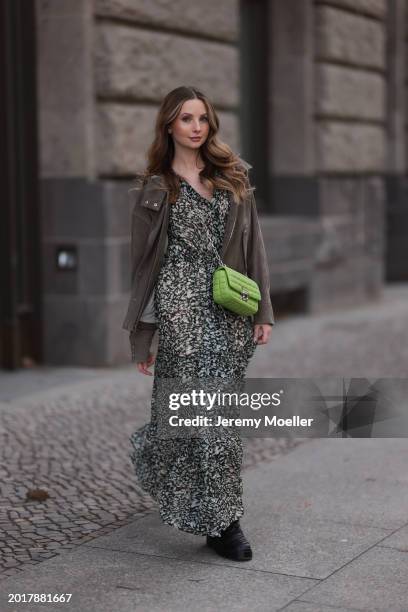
143, 365
262, 333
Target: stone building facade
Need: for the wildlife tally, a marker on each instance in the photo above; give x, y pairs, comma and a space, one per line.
312, 93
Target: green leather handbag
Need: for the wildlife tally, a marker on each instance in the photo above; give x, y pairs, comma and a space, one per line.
235, 291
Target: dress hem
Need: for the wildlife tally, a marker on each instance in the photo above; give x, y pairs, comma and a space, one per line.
177, 525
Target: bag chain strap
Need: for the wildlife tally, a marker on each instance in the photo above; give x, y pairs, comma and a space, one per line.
219, 261
222, 264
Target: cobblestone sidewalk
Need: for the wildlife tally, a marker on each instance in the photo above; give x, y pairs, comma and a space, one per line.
72, 444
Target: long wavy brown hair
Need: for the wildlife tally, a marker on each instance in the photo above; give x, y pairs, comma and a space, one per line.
223, 169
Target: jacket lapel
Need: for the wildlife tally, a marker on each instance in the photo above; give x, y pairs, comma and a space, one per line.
155, 196
229, 226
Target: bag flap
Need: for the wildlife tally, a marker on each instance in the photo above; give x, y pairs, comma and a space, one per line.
238, 282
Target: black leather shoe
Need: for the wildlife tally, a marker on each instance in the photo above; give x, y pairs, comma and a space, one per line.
231, 544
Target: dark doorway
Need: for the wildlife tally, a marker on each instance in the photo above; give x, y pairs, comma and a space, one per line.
254, 93
20, 261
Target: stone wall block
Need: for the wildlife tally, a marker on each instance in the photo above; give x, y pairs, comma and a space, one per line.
374, 216
340, 286
340, 195
76, 330
340, 239
350, 147
215, 19
289, 238
349, 38
65, 88
135, 64
350, 93
376, 8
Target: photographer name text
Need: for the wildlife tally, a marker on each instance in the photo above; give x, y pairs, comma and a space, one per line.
219, 421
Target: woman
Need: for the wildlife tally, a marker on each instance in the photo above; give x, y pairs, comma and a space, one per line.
194, 205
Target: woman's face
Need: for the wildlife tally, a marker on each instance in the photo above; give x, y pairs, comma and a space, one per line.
190, 128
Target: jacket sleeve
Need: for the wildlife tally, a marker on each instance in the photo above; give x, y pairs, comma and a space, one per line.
141, 337
258, 268
149, 315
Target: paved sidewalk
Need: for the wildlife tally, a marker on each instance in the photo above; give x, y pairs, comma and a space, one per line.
328, 524
65, 430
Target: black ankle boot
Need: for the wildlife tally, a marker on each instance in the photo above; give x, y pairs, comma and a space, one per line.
231, 544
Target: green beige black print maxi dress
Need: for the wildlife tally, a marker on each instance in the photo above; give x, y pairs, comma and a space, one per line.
196, 482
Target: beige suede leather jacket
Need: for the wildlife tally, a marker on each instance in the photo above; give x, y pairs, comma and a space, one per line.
243, 249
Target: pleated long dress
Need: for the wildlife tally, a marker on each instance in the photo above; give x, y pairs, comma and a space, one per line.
197, 481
